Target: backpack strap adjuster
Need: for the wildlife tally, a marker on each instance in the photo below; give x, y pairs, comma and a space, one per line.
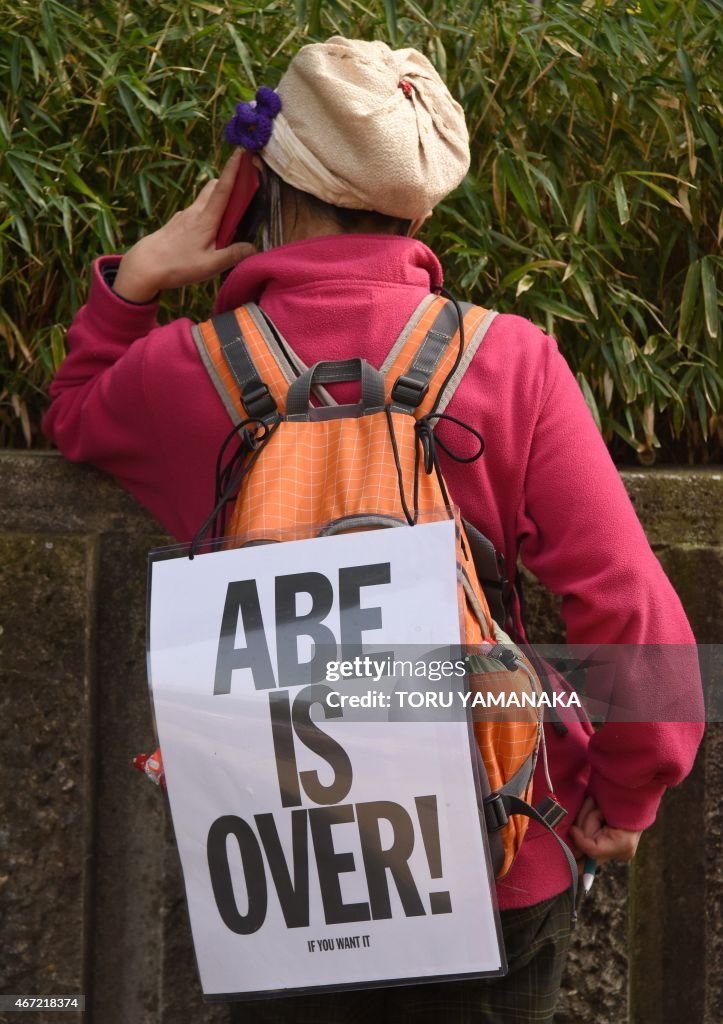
257, 399
409, 391
496, 816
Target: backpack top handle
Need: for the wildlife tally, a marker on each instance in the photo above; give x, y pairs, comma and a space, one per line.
298, 406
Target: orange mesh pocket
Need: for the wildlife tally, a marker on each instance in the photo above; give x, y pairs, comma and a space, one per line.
314, 473
506, 737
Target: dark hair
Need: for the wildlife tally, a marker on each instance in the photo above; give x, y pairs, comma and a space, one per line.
259, 213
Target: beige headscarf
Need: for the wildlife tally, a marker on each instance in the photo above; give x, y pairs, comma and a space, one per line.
368, 128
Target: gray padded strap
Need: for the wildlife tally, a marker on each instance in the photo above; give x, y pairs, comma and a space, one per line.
402, 339
255, 395
224, 395
411, 386
469, 353
519, 782
330, 372
234, 348
438, 337
485, 561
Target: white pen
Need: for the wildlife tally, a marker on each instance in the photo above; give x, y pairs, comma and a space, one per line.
588, 874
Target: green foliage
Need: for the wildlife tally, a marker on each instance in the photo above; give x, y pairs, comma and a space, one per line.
593, 204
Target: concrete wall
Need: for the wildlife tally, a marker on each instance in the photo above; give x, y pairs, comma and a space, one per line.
90, 892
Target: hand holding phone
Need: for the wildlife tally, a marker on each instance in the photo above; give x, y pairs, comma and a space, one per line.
185, 250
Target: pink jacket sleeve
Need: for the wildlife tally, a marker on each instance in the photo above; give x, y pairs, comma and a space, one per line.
580, 536
99, 411
119, 396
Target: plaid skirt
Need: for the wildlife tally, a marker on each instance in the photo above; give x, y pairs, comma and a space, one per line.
536, 940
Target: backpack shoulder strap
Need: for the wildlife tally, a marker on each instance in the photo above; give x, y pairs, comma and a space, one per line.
476, 324
249, 362
291, 364
426, 351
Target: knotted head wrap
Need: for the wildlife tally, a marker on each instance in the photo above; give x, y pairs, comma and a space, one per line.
366, 127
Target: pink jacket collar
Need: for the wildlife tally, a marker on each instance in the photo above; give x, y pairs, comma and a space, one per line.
336, 261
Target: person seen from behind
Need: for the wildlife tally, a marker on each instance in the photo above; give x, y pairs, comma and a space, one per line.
355, 148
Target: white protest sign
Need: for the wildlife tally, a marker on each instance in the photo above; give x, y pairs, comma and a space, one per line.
317, 850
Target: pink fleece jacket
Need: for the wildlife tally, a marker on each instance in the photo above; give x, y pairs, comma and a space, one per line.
133, 398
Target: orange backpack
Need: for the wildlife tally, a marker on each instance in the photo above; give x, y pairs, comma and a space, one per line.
304, 470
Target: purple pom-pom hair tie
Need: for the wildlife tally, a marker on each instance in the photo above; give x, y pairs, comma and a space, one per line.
252, 124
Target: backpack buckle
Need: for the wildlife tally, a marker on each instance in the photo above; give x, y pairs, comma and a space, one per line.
408, 391
505, 655
549, 809
257, 399
496, 817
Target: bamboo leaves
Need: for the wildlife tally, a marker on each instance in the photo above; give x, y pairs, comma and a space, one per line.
592, 205
710, 295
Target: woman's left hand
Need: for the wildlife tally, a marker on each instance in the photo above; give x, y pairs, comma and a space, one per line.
594, 838
183, 251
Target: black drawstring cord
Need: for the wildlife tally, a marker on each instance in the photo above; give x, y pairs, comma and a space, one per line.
427, 441
248, 443
426, 451
411, 519
229, 477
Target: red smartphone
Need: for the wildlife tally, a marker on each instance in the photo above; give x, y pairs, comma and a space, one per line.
244, 189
